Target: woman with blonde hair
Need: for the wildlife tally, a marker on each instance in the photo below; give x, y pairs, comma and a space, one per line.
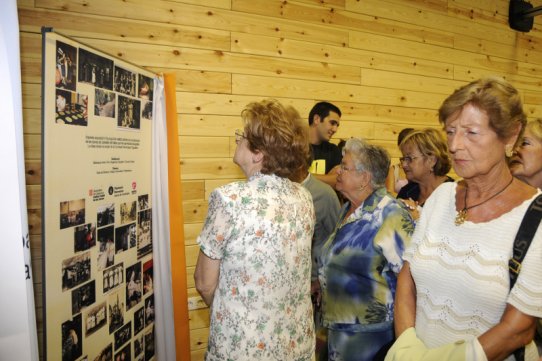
426, 163
526, 164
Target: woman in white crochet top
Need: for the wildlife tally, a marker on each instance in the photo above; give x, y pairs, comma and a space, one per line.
453, 298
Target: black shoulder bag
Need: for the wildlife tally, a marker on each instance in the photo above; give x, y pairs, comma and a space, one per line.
525, 235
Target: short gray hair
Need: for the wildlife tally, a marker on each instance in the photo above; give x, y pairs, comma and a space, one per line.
369, 158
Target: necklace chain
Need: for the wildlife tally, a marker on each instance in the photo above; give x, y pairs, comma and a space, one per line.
461, 216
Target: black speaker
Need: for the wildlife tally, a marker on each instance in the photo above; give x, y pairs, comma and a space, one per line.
515, 18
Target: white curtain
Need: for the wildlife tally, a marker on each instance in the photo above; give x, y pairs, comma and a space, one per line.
18, 336
163, 298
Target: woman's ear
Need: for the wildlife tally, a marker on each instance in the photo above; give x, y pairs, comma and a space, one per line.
257, 157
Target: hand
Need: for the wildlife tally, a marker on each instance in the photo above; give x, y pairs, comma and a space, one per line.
316, 293
413, 208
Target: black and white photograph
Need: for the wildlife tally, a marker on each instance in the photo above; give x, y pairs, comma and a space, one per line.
134, 287
106, 247
146, 111
138, 345
83, 296
129, 113
125, 237
139, 320
125, 354
115, 300
113, 277
144, 233
72, 339
143, 202
66, 66
128, 212
75, 271
145, 88
125, 81
149, 310
95, 318
95, 69
84, 237
123, 335
106, 354
149, 344
104, 103
106, 214
72, 213
147, 277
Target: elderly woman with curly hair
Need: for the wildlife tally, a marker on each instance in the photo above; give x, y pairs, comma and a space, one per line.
254, 267
362, 257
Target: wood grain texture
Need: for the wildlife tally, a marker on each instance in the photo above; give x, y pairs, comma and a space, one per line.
388, 64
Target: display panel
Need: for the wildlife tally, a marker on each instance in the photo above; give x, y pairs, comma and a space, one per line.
97, 216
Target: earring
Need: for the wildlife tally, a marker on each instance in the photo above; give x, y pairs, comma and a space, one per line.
508, 151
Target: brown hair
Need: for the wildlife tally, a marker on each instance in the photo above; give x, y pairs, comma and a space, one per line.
278, 132
496, 97
430, 142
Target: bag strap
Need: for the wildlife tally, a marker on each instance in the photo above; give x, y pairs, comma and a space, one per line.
525, 235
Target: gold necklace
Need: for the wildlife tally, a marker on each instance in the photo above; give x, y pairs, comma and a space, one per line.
461, 216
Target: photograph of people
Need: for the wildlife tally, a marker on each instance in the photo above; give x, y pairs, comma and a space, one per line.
65, 66
104, 103
362, 257
134, 287
254, 263
465, 236
95, 69
146, 87
72, 340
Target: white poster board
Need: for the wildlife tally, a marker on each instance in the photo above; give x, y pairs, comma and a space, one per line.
98, 267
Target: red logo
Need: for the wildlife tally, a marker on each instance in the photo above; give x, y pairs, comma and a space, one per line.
134, 185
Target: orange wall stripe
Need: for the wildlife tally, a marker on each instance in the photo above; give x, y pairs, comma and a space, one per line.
178, 260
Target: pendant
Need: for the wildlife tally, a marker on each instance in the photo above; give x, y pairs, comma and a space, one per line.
461, 217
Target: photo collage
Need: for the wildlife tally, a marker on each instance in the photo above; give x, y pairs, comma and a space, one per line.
122, 95
108, 295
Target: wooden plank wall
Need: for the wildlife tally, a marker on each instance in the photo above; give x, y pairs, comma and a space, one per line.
386, 63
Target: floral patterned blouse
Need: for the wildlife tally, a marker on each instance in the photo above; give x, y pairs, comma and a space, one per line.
261, 230
360, 262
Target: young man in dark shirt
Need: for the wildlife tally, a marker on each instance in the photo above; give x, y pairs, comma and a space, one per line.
324, 119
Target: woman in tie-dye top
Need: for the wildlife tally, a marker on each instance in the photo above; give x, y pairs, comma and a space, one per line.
361, 259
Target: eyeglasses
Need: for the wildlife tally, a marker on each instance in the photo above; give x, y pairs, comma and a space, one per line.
408, 159
239, 135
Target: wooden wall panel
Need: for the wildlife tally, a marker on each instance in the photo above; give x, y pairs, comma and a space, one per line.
388, 64
296, 49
